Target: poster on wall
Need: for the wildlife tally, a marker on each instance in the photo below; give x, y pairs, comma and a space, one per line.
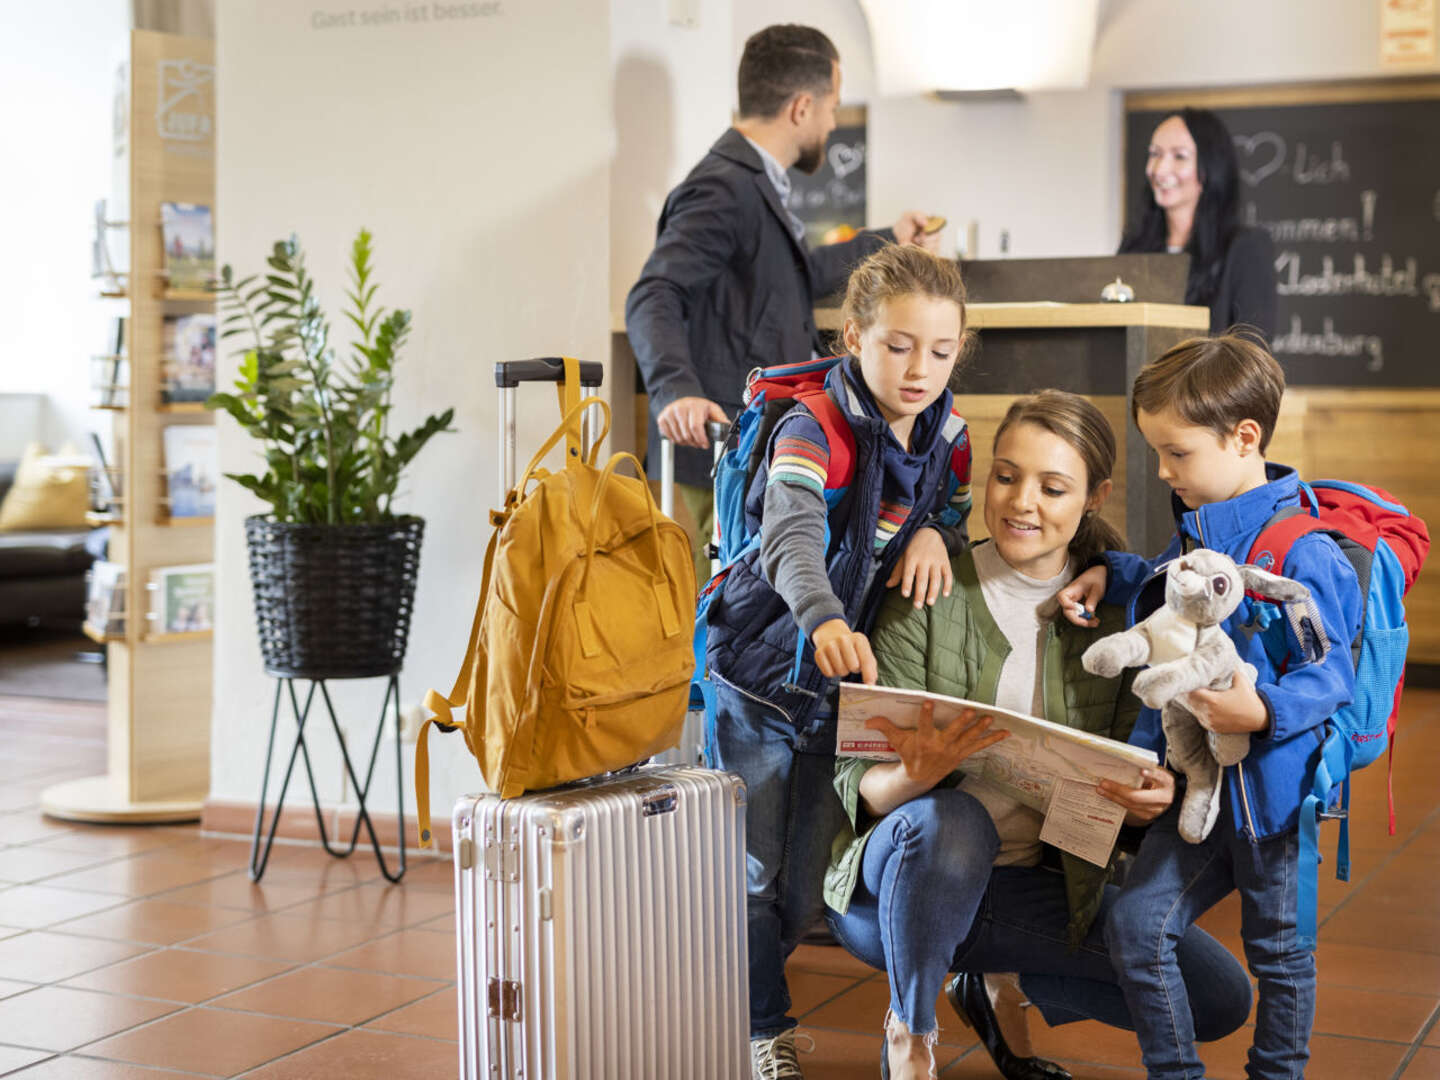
831, 202
185, 109
1407, 32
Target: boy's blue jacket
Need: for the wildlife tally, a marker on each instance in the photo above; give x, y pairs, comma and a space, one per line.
752, 635
1265, 790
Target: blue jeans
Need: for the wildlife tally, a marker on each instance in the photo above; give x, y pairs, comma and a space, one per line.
929, 903
1171, 885
791, 818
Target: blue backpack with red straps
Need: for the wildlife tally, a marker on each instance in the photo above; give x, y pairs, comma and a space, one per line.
770, 393
1386, 545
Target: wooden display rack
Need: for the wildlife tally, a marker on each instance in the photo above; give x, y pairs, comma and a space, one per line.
160, 686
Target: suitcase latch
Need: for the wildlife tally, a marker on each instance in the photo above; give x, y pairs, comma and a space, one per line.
467, 853
504, 999
502, 861
662, 800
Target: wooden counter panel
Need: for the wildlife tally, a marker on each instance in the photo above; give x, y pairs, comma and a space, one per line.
1063, 316
1388, 439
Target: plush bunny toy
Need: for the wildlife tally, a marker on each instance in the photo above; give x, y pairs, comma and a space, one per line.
1187, 650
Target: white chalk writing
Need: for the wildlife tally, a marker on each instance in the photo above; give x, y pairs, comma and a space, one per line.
1432, 291
1387, 280
1317, 230
1297, 342
1265, 153
1261, 155
1312, 169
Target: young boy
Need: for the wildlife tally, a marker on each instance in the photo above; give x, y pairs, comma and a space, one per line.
1208, 408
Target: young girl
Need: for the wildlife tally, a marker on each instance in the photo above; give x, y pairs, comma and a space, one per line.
902, 517
920, 834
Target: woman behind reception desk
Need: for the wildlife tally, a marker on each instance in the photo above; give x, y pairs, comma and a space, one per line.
1192, 204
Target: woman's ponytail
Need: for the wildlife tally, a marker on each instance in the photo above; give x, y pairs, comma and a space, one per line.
1094, 536
1084, 427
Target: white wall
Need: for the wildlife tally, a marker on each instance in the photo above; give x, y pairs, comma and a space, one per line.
478, 152
1046, 169
1168, 43
57, 70
673, 93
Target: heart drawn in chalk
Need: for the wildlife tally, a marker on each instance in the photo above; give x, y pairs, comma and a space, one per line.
846, 159
1261, 155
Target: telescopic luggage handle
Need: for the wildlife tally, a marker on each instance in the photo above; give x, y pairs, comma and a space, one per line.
509, 374
717, 431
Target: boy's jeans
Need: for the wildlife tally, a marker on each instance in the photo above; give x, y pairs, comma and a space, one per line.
1011, 918
1171, 885
791, 817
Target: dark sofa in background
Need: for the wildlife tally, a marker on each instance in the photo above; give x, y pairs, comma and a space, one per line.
42, 571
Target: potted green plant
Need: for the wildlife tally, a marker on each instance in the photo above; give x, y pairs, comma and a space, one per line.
332, 565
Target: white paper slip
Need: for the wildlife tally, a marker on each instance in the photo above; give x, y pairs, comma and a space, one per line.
1082, 821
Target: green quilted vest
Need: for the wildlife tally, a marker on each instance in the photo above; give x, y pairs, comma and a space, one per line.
955, 648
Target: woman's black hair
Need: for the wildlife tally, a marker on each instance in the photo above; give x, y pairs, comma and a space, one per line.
1216, 217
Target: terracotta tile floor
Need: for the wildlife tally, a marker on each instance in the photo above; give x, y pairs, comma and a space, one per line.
144, 953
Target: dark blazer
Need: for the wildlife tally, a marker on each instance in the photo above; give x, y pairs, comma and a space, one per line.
727, 288
1246, 293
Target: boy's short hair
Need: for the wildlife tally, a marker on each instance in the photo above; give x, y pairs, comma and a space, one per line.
1214, 382
780, 62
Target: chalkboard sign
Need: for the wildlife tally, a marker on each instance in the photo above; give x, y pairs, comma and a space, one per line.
1350, 193
835, 195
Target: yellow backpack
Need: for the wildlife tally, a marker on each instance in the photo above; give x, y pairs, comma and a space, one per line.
581, 653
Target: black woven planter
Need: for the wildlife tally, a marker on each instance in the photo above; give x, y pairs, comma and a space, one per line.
333, 601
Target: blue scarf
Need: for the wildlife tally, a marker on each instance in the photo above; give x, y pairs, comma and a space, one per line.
902, 467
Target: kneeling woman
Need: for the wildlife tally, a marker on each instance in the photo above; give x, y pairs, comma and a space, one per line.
941, 875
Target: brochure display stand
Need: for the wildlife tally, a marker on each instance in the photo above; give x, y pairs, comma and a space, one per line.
160, 682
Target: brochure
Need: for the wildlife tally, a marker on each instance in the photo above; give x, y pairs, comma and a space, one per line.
105, 598
183, 598
1047, 766
189, 250
191, 469
189, 367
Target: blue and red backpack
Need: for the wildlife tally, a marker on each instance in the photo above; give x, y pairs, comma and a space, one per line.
1386, 545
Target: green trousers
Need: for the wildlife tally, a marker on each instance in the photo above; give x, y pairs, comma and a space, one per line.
695, 511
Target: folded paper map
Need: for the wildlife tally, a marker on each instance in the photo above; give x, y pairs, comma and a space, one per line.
1038, 760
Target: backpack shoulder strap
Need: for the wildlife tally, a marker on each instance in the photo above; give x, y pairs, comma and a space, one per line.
1271, 546
838, 436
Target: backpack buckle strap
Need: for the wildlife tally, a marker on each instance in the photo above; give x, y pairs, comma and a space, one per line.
1307, 883
585, 628
669, 617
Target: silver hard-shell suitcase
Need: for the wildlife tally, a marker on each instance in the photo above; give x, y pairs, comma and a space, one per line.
600, 926
601, 930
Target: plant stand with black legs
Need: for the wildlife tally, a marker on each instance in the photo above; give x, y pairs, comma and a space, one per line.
285, 686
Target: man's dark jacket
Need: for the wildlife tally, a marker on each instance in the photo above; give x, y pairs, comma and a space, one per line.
728, 288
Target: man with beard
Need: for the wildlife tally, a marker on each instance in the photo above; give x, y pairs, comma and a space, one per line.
731, 284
